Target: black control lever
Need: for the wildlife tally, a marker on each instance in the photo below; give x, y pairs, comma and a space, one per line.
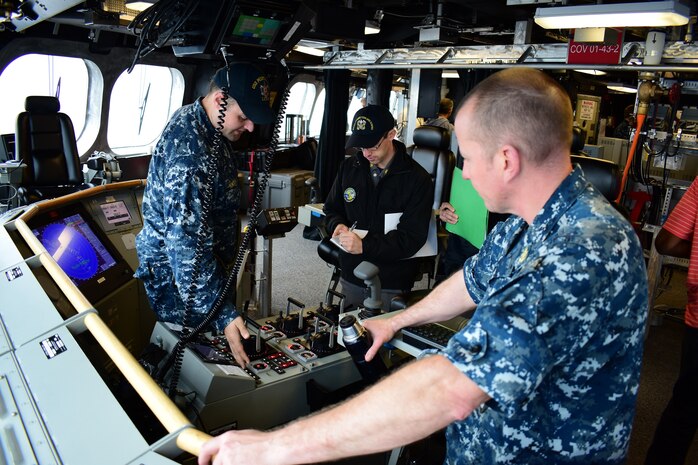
332, 327
258, 337
332, 293
301, 307
325, 319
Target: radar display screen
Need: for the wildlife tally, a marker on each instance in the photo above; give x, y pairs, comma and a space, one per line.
76, 249
77, 245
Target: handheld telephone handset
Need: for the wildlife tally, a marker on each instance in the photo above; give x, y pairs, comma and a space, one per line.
176, 357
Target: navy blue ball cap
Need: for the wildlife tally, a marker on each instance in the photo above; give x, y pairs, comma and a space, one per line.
250, 88
368, 126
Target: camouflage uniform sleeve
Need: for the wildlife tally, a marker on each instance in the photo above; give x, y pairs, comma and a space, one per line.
183, 214
531, 321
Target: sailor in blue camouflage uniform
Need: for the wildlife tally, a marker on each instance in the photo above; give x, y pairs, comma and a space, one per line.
547, 369
557, 337
172, 202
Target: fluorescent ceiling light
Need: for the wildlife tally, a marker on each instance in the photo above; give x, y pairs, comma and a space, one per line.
309, 50
593, 72
450, 74
622, 88
645, 14
372, 27
139, 5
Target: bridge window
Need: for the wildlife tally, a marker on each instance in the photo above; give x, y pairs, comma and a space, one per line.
300, 102
357, 102
74, 81
316, 115
397, 106
141, 105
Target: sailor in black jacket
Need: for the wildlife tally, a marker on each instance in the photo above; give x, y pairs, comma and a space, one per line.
379, 182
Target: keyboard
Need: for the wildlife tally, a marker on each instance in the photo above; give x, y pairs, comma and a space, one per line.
428, 336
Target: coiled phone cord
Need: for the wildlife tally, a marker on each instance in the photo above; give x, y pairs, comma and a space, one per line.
175, 359
206, 188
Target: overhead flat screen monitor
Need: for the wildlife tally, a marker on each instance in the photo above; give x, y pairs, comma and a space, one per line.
82, 251
255, 30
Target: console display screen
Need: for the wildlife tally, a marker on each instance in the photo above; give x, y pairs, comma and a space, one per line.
82, 250
76, 249
7, 150
116, 213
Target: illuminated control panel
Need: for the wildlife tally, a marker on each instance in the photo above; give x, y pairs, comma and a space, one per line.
288, 354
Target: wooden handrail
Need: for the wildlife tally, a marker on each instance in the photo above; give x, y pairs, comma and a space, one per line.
189, 438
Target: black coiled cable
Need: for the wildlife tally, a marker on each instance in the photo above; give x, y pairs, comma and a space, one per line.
154, 26
204, 230
175, 359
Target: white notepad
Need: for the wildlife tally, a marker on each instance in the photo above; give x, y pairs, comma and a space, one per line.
359, 232
429, 248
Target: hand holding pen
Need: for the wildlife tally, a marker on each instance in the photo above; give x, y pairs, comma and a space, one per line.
349, 241
342, 228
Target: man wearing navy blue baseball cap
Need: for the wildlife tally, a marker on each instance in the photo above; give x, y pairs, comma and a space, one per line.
173, 212
379, 187
249, 89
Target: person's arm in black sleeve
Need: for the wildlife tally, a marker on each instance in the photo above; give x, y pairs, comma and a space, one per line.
335, 213
412, 229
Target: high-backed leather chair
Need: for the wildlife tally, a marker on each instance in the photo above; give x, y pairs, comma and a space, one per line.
432, 151
579, 139
603, 174
45, 142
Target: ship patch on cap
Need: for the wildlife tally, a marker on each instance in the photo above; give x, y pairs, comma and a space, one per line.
369, 125
363, 123
263, 85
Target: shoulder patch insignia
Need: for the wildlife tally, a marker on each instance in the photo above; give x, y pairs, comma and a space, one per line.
349, 194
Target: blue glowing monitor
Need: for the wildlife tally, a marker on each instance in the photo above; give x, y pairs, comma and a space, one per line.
82, 251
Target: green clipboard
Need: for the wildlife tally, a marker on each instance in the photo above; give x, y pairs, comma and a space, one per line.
471, 211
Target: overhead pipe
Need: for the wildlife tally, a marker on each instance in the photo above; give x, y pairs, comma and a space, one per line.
647, 90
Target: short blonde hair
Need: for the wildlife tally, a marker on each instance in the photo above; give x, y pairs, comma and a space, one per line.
525, 108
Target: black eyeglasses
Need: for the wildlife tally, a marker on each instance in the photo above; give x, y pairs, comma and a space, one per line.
375, 147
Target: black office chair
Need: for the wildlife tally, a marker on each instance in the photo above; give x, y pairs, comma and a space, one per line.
330, 254
45, 142
579, 140
432, 151
605, 175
